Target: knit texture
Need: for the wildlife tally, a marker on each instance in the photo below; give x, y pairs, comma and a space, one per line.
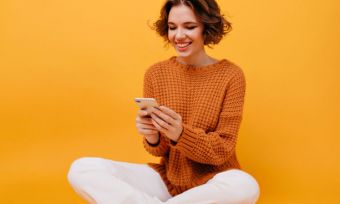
210, 100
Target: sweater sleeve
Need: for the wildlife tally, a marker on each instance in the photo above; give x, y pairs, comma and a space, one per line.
216, 147
162, 147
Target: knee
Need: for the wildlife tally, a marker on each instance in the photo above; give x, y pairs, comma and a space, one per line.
83, 165
245, 188
250, 191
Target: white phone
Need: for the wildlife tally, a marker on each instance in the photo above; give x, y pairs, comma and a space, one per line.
146, 103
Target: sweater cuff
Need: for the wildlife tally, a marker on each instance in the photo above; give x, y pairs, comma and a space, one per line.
186, 141
156, 144
156, 149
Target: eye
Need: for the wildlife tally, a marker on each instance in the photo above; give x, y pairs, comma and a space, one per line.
172, 28
191, 27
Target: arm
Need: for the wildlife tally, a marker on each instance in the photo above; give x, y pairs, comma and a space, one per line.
161, 148
216, 147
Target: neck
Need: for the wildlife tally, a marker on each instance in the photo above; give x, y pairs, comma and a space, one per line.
199, 59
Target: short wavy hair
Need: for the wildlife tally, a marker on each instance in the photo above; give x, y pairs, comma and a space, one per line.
215, 26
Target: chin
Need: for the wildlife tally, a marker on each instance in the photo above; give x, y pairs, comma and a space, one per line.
184, 54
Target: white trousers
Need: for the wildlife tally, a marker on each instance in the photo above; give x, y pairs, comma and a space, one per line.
104, 181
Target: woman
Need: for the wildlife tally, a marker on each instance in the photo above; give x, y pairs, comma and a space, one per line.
194, 131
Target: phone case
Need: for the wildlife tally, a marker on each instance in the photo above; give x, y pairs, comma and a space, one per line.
146, 103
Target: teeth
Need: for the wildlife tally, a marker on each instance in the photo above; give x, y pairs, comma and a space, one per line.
182, 45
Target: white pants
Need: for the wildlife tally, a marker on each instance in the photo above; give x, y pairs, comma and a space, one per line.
105, 181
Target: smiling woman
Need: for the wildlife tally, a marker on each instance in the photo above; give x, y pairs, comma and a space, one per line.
199, 21
194, 130
185, 32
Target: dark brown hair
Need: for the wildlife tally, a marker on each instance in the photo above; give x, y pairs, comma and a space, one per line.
215, 26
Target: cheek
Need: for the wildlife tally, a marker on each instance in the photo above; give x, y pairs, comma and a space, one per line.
199, 35
170, 36
197, 38
196, 35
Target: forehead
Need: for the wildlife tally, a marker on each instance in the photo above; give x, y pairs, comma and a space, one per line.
181, 13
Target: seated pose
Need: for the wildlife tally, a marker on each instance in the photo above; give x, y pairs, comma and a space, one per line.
193, 131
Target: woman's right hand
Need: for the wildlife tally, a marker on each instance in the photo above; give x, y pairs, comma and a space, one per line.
146, 128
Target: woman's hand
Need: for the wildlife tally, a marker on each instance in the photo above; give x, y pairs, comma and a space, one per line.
167, 121
146, 128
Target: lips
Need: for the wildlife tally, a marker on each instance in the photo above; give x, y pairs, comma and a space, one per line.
182, 46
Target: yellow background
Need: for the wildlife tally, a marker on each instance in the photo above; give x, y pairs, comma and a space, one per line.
69, 71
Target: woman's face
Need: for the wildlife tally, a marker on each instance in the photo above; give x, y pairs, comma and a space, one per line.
185, 32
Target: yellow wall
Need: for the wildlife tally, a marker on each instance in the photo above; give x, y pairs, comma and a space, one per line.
69, 71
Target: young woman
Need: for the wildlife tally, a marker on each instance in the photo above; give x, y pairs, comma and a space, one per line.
194, 131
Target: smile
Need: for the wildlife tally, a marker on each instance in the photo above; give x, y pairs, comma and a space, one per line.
183, 45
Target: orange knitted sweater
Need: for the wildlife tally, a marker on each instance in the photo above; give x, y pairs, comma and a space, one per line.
210, 100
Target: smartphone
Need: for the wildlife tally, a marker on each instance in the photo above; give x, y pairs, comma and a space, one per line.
146, 103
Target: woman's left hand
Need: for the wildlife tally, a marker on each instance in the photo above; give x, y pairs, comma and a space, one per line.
167, 121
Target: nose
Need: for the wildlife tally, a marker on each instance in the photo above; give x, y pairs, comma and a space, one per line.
180, 34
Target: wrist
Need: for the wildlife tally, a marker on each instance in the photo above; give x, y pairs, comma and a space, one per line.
153, 139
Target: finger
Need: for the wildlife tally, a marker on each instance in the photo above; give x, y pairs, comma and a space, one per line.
143, 120
168, 119
142, 127
159, 128
145, 126
170, 112
142, 113
160, 122
148, 132
149, 127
